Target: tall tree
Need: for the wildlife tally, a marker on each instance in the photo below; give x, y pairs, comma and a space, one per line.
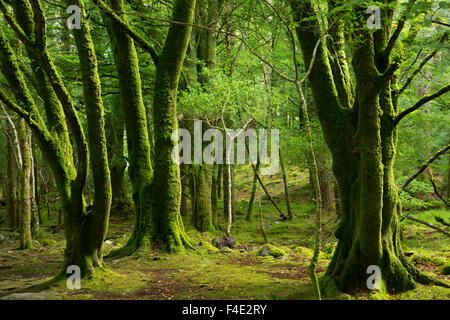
96, 137
166, 189
133, 109
165, 227
25, 187
84, 231
360, 130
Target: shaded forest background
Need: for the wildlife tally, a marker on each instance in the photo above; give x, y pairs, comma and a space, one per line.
87, 179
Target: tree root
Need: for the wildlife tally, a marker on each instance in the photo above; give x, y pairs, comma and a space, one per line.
60, 276
420, 276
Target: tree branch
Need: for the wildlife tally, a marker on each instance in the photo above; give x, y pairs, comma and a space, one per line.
422, 168
422, 64
429, 225
128, 29
15, 26
420, 103
436, 190
394, 38
387, 75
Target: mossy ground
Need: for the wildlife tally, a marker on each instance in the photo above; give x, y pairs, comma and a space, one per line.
214, 274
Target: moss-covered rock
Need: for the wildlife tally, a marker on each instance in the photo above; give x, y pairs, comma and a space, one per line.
446, 269
303, 251
270, 250
207, 246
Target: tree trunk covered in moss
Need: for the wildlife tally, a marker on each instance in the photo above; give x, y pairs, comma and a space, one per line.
10, 196
362, 141
97, 223
25, 187
286, 188
117, 162
214, 186
84, 231
324, 179
203, 216
193, 191
448, 181
206, 53
167, 229
219, 181
253, 194
57, 150
184, 173
134, 112
36, 218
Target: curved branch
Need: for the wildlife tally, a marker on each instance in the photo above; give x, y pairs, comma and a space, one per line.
128, 29
422, 168
39, 23
420, 103
15, 26
422, 64
429, 225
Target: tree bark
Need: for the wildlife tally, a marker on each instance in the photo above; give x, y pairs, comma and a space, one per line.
362, 140
25, 187
168, 230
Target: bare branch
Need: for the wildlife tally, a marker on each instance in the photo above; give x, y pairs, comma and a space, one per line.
436, 190
422, 168
128, 29
429, 225
420, 103
422, 64
394, 38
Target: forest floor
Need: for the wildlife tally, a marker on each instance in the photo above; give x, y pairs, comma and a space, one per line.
238, 273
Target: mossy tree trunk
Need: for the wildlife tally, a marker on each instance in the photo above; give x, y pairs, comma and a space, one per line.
25, 187
448, 181
134, 112
203, 216
206, 53
286, 188
84, 231
10, 196
360, 131
36, 218
115, 129
167, 229
184, 172
253, 194
97, 221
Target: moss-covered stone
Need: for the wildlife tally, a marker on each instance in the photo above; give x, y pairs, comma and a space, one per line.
446, 269
270, 250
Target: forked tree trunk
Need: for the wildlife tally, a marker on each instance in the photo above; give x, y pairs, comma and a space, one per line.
167, 229
362, 141
97, 223
140, 168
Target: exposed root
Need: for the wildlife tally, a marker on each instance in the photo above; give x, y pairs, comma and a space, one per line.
60, 276
420, 276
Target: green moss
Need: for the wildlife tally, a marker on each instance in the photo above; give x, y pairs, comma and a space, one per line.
446, 269
270, 250
303, 251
